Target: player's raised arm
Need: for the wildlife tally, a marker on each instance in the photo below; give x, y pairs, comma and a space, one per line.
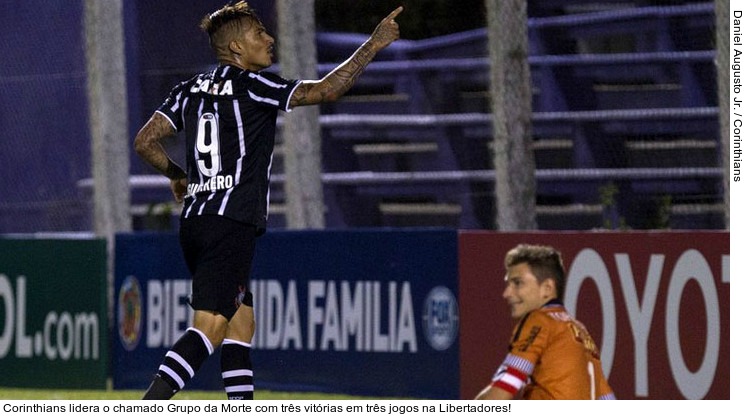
336, 83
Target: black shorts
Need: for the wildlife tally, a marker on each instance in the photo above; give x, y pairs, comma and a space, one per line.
219, 253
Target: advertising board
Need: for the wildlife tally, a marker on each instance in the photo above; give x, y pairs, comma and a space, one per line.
53, 313
369, 312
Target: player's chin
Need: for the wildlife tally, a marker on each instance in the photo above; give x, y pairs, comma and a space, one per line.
516, 313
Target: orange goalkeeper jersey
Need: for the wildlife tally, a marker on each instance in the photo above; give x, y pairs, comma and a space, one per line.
552, 356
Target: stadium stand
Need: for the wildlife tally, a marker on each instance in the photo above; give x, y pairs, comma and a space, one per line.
625, 122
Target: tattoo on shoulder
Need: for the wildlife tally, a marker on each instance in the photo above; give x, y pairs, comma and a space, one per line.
159, 126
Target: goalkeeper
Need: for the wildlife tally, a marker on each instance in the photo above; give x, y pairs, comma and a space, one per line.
551, 354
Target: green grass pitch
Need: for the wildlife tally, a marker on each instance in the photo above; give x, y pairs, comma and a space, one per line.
60, 394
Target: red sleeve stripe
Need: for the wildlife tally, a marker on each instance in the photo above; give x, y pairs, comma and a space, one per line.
511, 381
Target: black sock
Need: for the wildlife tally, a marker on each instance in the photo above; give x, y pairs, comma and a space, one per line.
159, 389
180, 364
237, 370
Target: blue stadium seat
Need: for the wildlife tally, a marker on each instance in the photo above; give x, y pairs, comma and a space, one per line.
615, 87
625, 123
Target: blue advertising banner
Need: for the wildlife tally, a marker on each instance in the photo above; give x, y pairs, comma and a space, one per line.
370, 312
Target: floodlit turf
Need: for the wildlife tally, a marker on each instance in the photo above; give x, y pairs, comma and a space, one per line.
22, 394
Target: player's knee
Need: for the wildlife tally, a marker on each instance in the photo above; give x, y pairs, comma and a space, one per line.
243, 325
251, 326
213, 326
216, 334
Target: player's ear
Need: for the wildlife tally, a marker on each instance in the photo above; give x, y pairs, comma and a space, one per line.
235, 47
549, 289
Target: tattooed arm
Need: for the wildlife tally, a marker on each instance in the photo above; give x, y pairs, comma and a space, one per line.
340, 80
148, 147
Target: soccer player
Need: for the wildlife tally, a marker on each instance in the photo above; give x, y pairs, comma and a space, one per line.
229, 116
551, 354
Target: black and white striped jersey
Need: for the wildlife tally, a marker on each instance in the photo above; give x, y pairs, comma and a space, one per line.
228, 117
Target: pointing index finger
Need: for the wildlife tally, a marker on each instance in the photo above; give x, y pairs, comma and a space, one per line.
394, 13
